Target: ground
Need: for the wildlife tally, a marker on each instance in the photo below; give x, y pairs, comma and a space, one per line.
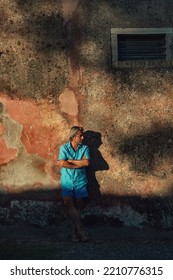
24, 242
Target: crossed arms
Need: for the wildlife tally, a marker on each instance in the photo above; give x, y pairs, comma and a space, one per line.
73, 163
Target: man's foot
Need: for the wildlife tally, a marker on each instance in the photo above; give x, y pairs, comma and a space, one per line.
83, 236
74, 238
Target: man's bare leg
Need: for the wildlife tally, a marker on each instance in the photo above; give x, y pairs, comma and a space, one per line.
73, 214
79, 203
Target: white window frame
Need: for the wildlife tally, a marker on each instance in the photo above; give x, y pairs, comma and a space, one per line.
120, 31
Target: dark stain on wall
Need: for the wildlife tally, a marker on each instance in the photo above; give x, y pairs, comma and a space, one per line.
34, 64
46, 32
72, 35
145, 150
143, 81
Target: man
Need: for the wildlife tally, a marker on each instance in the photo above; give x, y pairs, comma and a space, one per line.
73, 159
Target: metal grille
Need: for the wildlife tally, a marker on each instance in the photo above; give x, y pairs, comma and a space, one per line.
141, 47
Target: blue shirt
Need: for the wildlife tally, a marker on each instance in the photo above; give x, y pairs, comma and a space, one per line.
71, 177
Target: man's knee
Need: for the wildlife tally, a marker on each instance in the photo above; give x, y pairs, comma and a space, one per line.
68, 202
79, 203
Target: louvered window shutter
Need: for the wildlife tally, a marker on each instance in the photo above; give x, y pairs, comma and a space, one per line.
141, 47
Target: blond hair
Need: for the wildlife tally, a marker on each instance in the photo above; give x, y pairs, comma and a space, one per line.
73, 131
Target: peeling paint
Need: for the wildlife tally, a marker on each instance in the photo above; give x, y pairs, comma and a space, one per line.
56, 72
28, 148
7, 153
71, 108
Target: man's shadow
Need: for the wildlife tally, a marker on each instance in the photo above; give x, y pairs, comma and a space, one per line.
97, 163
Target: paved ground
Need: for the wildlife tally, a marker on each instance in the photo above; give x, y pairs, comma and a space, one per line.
106, 242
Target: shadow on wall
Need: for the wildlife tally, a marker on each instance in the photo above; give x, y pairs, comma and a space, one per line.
145, 150
42, 26
37, 207
133, 211
93, 140
51, 193
48, 34
44, 208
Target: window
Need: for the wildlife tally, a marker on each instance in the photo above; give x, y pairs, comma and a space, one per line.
141, 46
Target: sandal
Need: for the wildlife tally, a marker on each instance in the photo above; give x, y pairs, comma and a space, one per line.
83, 237
74, 238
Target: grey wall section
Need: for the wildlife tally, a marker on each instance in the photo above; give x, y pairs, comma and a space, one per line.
55, 63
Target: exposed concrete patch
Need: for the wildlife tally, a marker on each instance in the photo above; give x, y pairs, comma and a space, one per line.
7, 154
24, 172
12, 132
9, 133
68, 102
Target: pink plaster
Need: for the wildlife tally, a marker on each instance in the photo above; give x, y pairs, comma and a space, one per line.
38, 138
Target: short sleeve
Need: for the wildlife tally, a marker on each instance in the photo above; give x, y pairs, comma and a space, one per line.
87, 153
62, 153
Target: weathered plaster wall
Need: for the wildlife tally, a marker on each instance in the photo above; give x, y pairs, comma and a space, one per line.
55, 72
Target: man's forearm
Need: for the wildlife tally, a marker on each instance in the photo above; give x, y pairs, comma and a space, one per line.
79, 163
67, 164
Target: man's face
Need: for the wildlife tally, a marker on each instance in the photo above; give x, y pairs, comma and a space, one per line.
78, 138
